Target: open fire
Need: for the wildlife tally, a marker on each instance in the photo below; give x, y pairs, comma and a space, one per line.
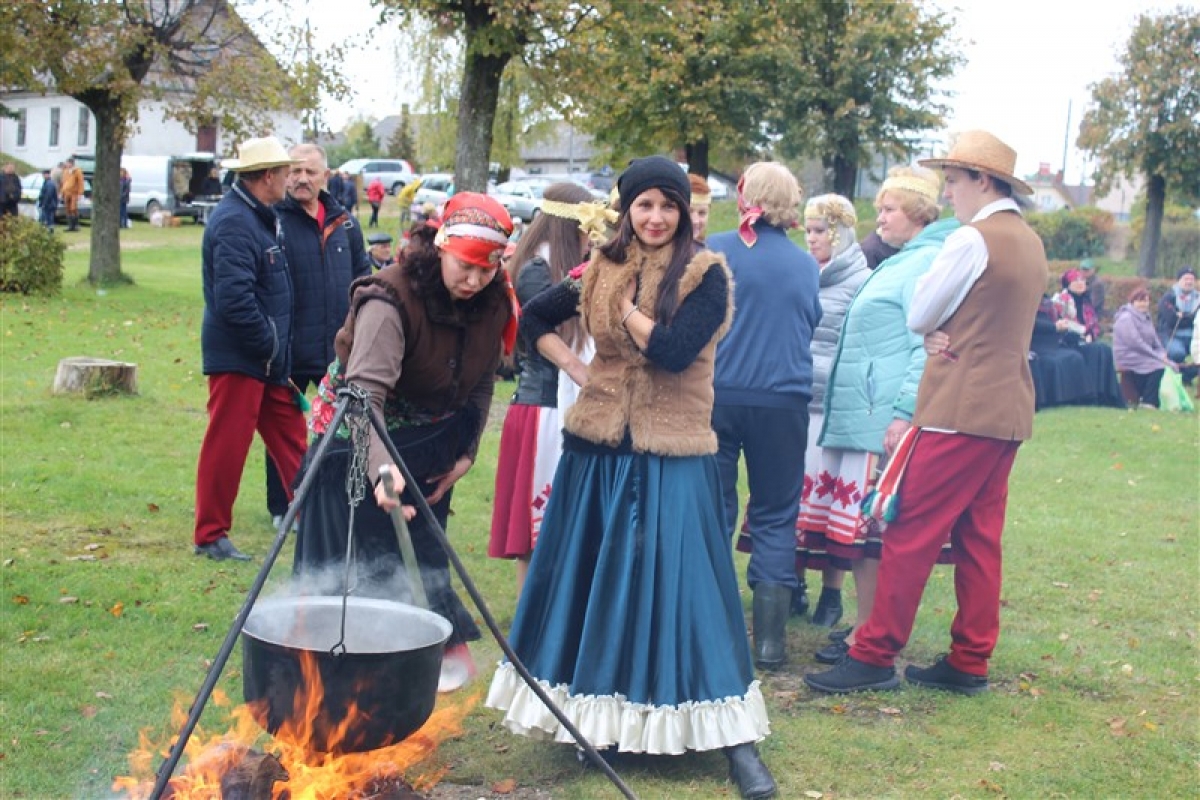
287, 767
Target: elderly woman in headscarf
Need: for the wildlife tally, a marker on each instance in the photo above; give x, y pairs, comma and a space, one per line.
423, 340
1076, 318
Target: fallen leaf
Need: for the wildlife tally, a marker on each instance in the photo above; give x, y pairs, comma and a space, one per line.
68, 600
838, 709
8, 562
1061, 585
152, 507
88, 711
20, 599
505, 786
1094, 595
117, 609
1127, 669
1116, 725
200, 626
83, 558
93, 546
891, 712
1150, 726
1062, 637
991, 787
104, 695
814, 794
996, 766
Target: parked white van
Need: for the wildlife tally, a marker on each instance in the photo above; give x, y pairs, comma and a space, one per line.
186, 185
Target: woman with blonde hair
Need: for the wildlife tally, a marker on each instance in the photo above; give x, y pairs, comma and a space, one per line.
763, 386
872, 389
531, 441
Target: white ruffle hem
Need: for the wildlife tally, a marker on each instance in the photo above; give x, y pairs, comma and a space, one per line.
608, 721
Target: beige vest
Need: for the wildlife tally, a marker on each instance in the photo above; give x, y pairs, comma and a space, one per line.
666, 413
987, 390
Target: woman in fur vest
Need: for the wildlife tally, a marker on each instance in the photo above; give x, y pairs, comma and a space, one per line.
630, 616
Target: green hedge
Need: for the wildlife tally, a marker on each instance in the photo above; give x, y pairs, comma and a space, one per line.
31, 257
1073, 234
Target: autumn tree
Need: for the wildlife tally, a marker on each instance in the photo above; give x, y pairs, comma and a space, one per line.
1146, 119
196, 56
861, 78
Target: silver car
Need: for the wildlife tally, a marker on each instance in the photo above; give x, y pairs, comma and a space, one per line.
520, 198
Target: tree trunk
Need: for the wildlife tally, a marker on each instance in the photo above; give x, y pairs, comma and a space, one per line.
477, 104
697, 157
1156, 194
105, 264
845, 175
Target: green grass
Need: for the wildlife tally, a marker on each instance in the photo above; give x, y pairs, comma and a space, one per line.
107, 619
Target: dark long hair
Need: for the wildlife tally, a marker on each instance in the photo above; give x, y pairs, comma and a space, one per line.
682, 249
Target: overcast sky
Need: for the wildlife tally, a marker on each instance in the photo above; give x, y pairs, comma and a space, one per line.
1026, 61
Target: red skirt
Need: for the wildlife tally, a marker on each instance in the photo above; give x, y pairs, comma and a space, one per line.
530, 446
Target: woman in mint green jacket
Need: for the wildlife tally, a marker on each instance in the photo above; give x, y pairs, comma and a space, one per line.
872, 391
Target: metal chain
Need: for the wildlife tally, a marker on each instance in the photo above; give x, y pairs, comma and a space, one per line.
358, 420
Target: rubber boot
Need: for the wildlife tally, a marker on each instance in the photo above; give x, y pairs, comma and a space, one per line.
772, 605
800, 600
749, 773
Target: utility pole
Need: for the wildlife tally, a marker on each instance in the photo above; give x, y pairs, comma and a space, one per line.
1066, 140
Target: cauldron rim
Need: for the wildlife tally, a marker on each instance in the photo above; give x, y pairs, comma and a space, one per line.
270, 608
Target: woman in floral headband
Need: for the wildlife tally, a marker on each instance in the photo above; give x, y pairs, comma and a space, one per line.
423, 338
555, 242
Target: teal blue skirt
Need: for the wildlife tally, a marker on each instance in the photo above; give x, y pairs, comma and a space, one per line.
630, 616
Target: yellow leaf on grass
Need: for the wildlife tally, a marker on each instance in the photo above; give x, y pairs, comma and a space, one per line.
505, 786
117, 610
814, 794
20, 599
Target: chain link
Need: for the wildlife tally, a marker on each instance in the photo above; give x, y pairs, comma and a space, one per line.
359, 423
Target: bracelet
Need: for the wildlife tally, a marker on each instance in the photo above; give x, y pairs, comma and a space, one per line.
628, 314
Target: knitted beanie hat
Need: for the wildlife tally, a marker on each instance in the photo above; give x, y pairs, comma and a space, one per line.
652, 172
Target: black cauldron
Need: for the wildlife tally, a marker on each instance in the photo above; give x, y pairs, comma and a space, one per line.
389, 670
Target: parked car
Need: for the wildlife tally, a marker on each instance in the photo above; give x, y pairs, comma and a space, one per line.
435, 188
718, 187
580, 178
396, 173
520, 198
31, 188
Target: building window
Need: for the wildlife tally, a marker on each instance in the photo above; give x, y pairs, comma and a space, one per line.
54, 115
84, 119
22, 117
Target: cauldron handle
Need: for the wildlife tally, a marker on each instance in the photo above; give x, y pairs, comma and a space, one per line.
165, 770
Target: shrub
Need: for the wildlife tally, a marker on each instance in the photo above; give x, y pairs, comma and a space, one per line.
31, 257
1178, 246
1073, 234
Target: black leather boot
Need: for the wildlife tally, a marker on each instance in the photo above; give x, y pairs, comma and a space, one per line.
772, 605
749, 773
829, 608
800, 600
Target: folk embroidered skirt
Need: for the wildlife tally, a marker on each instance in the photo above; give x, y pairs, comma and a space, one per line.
630, 617
530, 446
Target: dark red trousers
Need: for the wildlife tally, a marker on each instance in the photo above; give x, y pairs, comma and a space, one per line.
239, 405
956, 487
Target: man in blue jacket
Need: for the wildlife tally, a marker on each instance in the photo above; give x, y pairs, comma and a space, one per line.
325, 253
246, 340
763, 383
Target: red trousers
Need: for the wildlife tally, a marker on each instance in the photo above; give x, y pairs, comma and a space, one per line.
239, 405
956, 487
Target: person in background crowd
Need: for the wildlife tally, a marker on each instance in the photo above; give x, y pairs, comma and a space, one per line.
423, 339
10, 191
336, 186
375, 195
1060, 375
349, 197
48, 200
1177, 318
70, 189
829, 221
126, 189
630, 616
1139, 354
380, 250
701, 204
246, 342
325, 254
212, 184
1073, 311
948, 478
531, 440
1095, 287
871, 393
763, 385
877, 250
404, 199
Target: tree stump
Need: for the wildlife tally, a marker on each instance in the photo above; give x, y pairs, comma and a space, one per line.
95, 377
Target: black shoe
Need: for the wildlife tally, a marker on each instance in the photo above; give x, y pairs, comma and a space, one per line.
840, 634
772, 604
609, 754
851, 675
945, 677
829, 609
749, 773
220, 550
800, 600
833, 652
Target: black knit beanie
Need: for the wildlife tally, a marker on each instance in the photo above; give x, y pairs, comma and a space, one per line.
652, 172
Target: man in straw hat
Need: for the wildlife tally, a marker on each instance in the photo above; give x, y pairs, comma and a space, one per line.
245, 339
948, 478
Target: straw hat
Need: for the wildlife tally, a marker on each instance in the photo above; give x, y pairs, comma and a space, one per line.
981, 151
256, 154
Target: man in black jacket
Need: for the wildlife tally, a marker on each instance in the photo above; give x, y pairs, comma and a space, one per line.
325, 253
245, 340
10, 190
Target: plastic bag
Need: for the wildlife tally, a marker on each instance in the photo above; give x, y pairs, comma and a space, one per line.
1172, 394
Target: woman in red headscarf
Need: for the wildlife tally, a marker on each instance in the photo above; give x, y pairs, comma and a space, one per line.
423, 338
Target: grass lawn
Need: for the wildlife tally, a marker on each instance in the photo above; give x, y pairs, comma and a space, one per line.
108, 619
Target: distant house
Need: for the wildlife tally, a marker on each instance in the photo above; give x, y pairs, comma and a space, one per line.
1051, 194
1119, 200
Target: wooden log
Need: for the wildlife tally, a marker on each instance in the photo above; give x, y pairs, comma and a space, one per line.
94, 377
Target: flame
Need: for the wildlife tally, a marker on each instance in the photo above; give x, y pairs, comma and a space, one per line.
311, 775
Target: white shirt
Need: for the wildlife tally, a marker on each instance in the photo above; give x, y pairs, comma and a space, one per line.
960, 262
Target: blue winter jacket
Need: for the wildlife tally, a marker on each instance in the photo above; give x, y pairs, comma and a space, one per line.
879, 361
247, 324
764, 360
323, 263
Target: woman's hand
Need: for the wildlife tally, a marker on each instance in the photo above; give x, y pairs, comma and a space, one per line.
894, 433
389, 501
936, 342
578, 372
444, 482
1060, 325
